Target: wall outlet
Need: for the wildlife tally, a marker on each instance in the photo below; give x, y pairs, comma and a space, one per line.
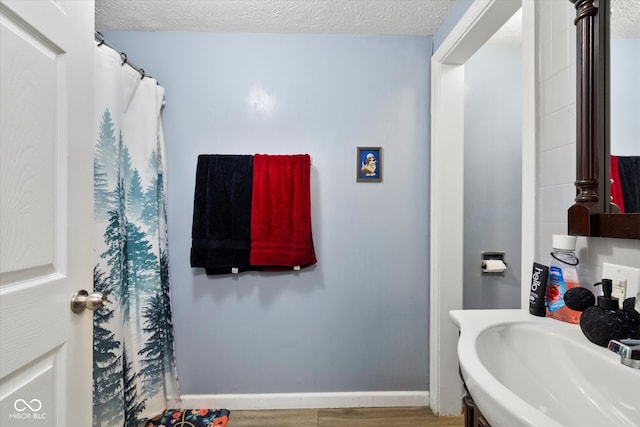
619, 274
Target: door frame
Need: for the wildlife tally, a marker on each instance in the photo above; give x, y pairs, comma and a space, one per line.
477, 25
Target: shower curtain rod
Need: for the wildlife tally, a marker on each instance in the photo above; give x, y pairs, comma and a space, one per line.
102, 41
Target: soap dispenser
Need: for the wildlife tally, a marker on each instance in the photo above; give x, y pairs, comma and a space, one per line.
606, 301
604, 321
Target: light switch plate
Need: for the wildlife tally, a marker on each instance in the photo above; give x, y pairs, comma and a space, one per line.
619, 289
621, 272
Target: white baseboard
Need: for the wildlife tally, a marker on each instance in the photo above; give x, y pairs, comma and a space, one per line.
304, 400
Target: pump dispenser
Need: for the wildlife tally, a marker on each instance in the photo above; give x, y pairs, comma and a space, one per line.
606, 301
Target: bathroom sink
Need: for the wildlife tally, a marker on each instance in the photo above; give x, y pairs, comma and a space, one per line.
523, 370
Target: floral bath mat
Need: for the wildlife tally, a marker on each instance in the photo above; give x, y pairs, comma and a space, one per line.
191, 418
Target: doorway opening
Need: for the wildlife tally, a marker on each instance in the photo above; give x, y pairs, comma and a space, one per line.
479, 23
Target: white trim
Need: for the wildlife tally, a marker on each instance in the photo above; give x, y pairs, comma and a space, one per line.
480, 22
529, 246
306, 400
446, 237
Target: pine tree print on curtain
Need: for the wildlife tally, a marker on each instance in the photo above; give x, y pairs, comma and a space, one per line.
134, 372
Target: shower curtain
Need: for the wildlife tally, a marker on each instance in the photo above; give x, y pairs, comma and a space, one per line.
134, 372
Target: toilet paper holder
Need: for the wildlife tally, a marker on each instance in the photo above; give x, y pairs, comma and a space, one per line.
497, 264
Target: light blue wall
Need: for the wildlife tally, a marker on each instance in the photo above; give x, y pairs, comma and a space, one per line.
358, 321
457, 11
493, 173
625, 97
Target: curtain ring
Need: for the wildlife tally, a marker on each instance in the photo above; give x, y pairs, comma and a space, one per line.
123, 56
142, 73
100, 38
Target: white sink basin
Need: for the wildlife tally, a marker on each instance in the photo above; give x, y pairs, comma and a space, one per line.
523, 370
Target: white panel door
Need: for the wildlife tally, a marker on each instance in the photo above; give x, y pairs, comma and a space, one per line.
46, 176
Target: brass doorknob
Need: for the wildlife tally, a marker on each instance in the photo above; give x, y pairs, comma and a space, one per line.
82, 299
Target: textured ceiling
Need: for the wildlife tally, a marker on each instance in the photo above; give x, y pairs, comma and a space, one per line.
421, 17
304, 16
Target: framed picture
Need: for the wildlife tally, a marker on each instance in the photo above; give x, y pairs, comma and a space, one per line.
369, 167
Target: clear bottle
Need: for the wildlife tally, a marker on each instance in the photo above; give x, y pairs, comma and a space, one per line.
562, 277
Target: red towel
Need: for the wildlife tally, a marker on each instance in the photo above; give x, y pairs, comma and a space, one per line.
616, 187
281, 211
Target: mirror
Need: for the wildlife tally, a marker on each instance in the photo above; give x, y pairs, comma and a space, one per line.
624, 42
593, 214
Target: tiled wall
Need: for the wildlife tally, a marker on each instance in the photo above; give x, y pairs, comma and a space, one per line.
557, 145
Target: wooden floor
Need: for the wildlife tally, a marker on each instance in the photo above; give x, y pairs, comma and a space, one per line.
344, 417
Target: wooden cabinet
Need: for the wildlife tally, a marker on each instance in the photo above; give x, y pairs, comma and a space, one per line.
472, 415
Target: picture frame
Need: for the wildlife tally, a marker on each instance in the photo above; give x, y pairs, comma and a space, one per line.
369, 164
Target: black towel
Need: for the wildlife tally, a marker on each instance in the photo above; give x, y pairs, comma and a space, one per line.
629, 171
221, 233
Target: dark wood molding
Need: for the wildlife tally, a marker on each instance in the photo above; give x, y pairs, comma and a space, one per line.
624, 226
593, 214
587, 159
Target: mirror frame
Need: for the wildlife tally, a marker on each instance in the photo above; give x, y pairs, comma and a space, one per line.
593, 214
